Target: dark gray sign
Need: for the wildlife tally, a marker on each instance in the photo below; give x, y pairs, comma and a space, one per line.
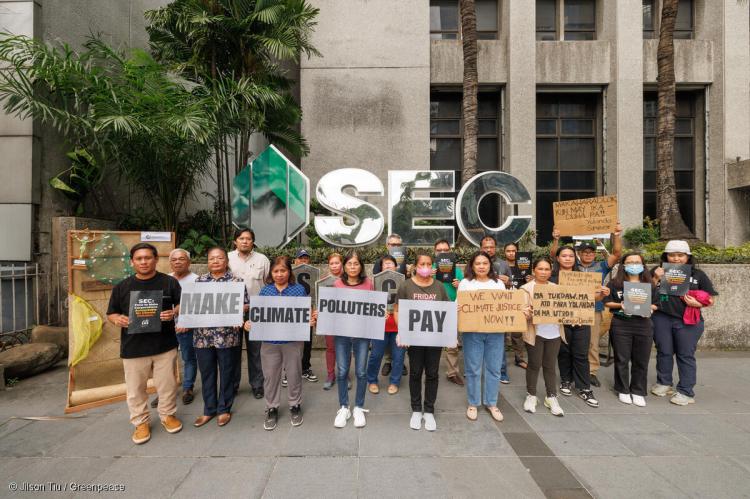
389, 281
307, 276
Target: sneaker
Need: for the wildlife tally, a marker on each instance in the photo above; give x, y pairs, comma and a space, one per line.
639, 400
171, 424
329, 383
359, 417
566, 388
662, 390
258, 393
284, 382
553, 405
429, 421
272, 417
529, 405
373, 388
594, 380
188, 397
386, 370
505, 380
681, 399
142, 434
495, 413
415, 423
342, 417
625, 398
588, 397
296, 413
309, 376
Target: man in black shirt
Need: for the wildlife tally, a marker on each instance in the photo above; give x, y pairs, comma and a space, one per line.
145, 352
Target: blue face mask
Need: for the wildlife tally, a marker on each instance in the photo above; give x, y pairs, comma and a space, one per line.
634, 268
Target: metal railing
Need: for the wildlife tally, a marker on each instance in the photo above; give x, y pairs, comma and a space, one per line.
29, 296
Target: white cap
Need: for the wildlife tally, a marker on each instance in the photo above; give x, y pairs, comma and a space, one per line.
677, 246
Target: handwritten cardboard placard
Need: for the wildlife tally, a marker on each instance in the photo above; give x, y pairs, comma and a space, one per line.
427, 323
562, 305
491, 311
581, 280
586, 216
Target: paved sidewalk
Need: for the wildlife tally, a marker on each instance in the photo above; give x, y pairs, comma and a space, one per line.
702, 450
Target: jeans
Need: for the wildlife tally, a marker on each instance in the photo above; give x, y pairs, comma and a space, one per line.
674, 338
427, 360
487, 349
189, 362
573, 357
376, 356
209, 361
344, 348
504, 367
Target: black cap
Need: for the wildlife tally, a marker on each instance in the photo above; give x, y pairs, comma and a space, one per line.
302, 252
584, 245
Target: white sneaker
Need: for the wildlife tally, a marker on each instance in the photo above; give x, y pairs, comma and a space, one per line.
529, 405
553, 406
639, 400
681, 399
415, 423
662, 390
342, 417
359, 417
429, 421
625, 398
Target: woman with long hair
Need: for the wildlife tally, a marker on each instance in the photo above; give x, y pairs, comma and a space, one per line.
335, 269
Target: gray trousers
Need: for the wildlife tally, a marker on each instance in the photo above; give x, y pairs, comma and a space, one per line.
277, 359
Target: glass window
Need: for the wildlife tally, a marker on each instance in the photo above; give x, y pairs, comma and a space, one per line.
580, 19
683, 27
546, 19
486, 19
648, 19
444, 19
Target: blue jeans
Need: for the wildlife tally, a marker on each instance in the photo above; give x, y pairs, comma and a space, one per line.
344, 347
187, 352
504, 367
376, 356
487, 349
674, 338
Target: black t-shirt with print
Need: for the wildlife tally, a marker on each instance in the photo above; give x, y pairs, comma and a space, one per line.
674, 306
145, 344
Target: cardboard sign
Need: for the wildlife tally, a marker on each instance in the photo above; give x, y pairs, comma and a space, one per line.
388, 281
491, 311
445, 264
562, 305
586, 216
351, 312
145, 307
280, 318
581, 280
307, 276
676, 279
636, 298
211, 304
427, 323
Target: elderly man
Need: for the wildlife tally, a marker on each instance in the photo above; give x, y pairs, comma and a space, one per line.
253, 268
392, 241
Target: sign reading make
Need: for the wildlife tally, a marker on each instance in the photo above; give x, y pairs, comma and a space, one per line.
426, 323
351, 312
211, 304
280, 318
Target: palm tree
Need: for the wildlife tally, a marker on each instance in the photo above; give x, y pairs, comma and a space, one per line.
671, 223
470, 87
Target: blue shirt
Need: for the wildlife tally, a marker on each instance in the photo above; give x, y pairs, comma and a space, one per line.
289, 290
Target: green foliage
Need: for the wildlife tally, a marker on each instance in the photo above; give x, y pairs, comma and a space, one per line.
640, 236
197, 244
203, 222
138, 219
83, 176
703, 253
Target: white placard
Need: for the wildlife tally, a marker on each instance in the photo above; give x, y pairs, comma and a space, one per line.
280, 318
427, 323
351, 312
211, 304
148, 237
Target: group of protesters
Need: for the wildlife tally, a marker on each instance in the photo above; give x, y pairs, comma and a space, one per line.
571, 350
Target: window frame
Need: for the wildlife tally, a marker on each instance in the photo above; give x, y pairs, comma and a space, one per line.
481, 34
560, 29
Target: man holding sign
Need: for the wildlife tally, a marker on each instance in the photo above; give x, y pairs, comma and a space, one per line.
426, 331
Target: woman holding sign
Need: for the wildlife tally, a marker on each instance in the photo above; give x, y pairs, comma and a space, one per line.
678, 323
482, 349
631, 333
336, 269
354, 277
422, 359
218, 350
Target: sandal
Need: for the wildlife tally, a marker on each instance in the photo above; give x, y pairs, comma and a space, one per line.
522, 363
471, 413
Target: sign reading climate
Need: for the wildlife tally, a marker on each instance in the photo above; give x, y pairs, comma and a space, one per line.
273, 196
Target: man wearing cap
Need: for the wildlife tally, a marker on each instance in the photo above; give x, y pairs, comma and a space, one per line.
586, 262
303, 258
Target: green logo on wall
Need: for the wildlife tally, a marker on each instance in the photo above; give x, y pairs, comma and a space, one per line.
272, 196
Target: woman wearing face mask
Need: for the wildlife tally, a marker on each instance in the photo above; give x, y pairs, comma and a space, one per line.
632, 335
425, 360
673, 336
335, 268
482, 349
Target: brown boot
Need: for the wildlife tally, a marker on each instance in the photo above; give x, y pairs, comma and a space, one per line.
171, 424
142, 433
